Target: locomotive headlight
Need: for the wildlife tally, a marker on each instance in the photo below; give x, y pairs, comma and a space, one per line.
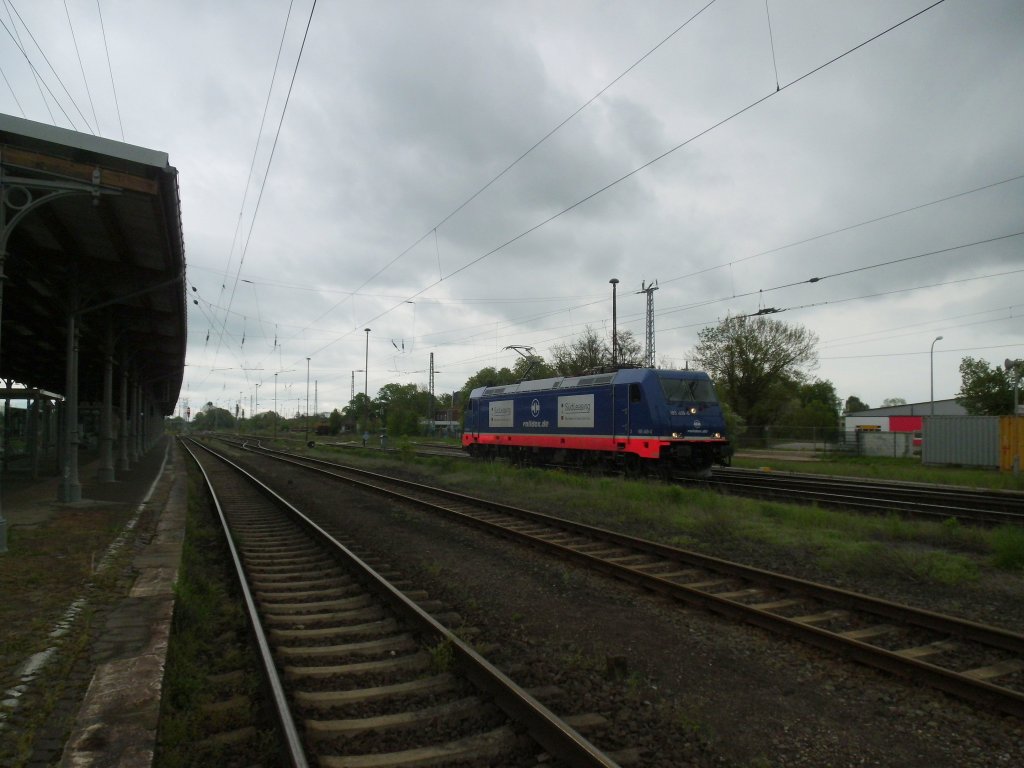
677, 435
718, 435
693, 410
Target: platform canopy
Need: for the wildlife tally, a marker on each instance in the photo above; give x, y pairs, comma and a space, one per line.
92, 227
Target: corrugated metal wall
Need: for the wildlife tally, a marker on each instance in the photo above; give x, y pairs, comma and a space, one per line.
972, 441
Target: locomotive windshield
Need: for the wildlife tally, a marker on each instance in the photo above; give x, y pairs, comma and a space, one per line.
688, 391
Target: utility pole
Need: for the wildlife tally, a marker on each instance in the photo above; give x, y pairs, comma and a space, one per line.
649, 351
430, 402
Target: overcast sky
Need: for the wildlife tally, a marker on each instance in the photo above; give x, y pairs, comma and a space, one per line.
731, 173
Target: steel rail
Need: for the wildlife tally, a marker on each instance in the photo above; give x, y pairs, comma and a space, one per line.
553, 734
293, 742
988, 506
936, 676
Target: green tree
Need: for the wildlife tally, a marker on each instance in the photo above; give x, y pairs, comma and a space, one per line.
590, 353
334, 421
487, 377
820, 391
631, 350
532, 367
587, 353
855, 404
984, 391
757, 364
212, 418
813, 411
360, 410
402, 406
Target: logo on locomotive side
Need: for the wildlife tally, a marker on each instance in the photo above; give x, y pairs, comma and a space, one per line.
576, 411
535, 408
499, 413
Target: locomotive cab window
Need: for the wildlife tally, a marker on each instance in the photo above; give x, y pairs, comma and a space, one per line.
688, 391
635, 393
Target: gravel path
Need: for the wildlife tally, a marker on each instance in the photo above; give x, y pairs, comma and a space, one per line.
696, 689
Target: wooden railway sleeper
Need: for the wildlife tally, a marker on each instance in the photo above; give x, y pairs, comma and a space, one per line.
385, 627
393, 644
454, 711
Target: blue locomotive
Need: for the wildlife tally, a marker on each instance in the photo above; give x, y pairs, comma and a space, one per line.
637, 420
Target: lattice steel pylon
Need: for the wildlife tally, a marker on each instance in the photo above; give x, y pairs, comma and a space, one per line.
430, 403
649, 349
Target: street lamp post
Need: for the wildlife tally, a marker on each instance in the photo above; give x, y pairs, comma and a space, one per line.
615, 336
932, 375
275, 406
256, 410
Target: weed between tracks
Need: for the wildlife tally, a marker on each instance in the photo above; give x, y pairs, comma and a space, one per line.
209, 661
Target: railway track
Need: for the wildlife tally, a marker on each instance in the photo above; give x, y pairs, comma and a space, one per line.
361, 675
920, 500
981, 507
976, 662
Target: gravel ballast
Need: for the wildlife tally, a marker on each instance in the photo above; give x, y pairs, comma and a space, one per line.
678, 685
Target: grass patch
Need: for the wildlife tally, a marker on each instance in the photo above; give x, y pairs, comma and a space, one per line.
442, 657
47, 569
845, 543
1008, 548
937, 567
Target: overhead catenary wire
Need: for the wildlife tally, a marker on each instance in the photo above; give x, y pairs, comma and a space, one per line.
753, 104
256, 148
876, 295
110, 69
916, 353
771, 39
693, 138
890, 262
54, 71
13, 94
846, 228
598, 298
270, 161
846, 340
513, 164
545, 137
81, 67
16, 37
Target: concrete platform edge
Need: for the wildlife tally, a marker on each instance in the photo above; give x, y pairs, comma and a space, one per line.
117, 721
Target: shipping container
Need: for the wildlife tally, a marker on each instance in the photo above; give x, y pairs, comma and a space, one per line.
1011, 443
970, 441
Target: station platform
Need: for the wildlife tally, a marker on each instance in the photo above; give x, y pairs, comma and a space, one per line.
88, 599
